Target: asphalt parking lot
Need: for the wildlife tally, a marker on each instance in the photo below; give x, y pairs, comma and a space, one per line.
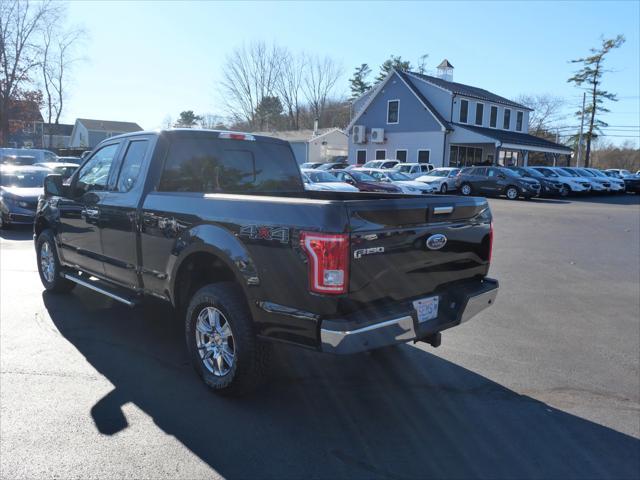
546, 384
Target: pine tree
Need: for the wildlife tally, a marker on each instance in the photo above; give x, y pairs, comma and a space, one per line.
358, 81
589, 77
393, 62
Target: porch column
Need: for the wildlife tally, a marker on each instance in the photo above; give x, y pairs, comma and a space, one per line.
497, 157
525, 158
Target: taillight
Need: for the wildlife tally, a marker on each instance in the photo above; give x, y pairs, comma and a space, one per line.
236, 136
328, 257
490, 241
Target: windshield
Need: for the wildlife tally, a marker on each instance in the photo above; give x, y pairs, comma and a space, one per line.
532, 172
362, 177
586, 173
597, 173
570, 173
546, 172
397, 176
23, 179
514, 172
438, 173
625, 172
404, 168
322, 177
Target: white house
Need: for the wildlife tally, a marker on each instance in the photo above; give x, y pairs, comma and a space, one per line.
421, 118
314, 146
88, 133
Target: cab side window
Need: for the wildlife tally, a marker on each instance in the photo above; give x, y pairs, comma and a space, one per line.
131, 165
93, 176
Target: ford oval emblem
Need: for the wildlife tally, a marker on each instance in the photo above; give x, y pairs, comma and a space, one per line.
436, 242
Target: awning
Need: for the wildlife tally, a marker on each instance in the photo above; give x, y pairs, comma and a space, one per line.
514, 140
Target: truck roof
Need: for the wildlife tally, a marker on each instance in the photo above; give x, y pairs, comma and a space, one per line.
190, 132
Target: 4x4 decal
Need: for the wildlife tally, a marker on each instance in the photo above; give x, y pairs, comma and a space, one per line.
262, 232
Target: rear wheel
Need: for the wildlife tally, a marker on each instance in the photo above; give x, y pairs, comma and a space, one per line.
511, 192
443, 188
466, 189
221, 341
49, 266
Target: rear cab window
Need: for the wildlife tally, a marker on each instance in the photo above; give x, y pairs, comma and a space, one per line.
212, 165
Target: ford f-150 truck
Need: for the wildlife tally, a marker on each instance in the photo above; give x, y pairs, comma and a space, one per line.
219, 225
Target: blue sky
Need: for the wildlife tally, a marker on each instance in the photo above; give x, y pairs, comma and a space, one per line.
148, 60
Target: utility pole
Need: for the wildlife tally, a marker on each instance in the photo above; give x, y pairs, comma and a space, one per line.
584, 98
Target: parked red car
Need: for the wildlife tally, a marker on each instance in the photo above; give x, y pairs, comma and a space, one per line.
364, 182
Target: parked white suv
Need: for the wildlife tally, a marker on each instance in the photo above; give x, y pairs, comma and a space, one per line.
380, 164
413, 170
574, 183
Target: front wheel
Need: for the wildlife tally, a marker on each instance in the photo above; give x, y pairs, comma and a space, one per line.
465, 189
565, 190
511, 193
49, 266
221, 341
443, 188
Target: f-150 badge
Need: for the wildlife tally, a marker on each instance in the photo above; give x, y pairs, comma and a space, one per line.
361, 252
260, 232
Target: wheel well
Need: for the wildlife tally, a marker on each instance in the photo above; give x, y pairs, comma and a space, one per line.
197, 270
41, 224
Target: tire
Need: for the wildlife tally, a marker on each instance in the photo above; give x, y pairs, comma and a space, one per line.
565, 190
3, 225
236, 362
511, 192
465, 189
443, 188
49, 266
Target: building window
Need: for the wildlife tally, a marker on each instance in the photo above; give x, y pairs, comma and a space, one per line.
519, 117
381, 154
479, 113
493, 120
464, 156
361, 157
401, 155
464, 111
507, 119
393, 111
423, 156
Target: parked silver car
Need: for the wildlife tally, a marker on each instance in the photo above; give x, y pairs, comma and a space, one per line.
442, 179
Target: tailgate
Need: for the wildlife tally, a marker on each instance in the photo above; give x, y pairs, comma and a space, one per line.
407, 247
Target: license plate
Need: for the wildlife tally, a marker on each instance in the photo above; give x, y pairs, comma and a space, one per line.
426, 308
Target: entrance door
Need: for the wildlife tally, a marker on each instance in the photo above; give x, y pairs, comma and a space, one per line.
361, 157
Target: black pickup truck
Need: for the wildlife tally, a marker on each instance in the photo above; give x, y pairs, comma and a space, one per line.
219, 225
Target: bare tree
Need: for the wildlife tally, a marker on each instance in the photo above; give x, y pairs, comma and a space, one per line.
212, 121
289, 86
57, 59
319, 83
547, 110
250, 73
21, 21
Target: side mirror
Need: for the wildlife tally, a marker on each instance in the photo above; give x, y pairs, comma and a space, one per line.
501, 176
53, 186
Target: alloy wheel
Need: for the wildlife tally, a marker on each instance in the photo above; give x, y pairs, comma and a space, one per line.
443, 188
466, 189
47, 262
512, 193
214, 340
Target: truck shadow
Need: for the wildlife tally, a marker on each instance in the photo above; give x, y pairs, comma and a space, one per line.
393, 414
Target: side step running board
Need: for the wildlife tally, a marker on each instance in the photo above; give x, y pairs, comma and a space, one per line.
102, 287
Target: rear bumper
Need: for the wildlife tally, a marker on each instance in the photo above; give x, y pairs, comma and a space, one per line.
346, 336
